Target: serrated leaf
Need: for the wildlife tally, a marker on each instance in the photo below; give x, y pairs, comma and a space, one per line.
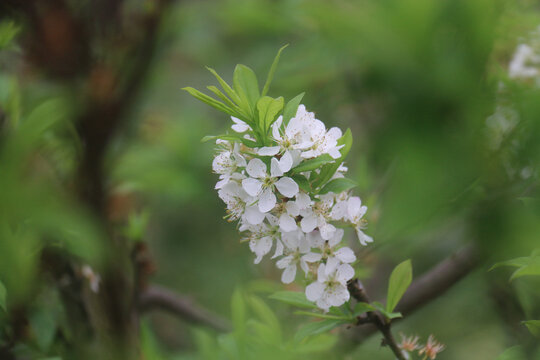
291, 108
268, 109
245, 84
209, 100
329, 170
230, 92
400, 279
3, 297
533, 326
272, 71
322, 316
312, 164
318, 327
338, 186
293, 298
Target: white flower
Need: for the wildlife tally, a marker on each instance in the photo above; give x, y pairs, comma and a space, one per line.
227, 163
261, 185
237, 201
523, 63
239, 126
261, 237
297, 251
352, 210
330, 289
333, 257
316, 216
286, 212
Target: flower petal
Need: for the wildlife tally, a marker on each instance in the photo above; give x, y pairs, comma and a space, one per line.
345, 254
314, 291
344, 273
284, 262
289, 274
308, 223
286, 162
363, 238
256, 168
253, 215
292, 208
268, 151
275, 128
287, 187
327, 231
312, 257
287, 223
339, 296
267, 201
275, 170
252, 186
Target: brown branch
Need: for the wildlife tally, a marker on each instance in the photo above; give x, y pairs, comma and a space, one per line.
431, 285
157, 297
357, 291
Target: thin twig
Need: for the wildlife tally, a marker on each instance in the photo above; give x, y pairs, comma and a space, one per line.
357, 291
158, 297
431, 285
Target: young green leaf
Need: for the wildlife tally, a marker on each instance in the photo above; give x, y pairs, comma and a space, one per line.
302, 182
361, 308
3, 297
313, 164
291, 108
400, 279
338, 186
533, 326
293, 298
230, 92
387, 314
239, 112
322, 316
246, 86
317, 327
209, 101
329, 170
268, 109
272, 71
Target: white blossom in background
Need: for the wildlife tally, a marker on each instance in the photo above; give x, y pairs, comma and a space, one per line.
301, 228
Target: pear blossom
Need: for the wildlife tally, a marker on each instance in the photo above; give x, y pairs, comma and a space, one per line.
260, 191
330, 289
261, 185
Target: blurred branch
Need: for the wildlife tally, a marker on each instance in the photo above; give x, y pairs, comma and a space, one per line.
159, 298
376, 319
431, 285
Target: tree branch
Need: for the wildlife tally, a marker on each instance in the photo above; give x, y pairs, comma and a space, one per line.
431, 285
158, 297
357, 291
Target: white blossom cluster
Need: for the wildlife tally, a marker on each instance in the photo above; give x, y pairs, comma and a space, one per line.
276, 215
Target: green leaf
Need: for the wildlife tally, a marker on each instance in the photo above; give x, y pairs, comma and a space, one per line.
361, 308
209, 100
302, 182
533, 326
312, 164
238, 313
317, 327
267, 316
293, 298
322, 316
338, 186
513, 353
291, 108
268, 109
238, 112
387, 314
329, 170
528, 270
8, 31
246, 86
230, 92
3, 297
400, 279
272, 71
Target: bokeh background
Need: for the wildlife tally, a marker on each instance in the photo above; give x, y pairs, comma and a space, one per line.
417, 82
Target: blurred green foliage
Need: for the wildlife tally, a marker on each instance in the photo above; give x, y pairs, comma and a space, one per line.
414, 80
